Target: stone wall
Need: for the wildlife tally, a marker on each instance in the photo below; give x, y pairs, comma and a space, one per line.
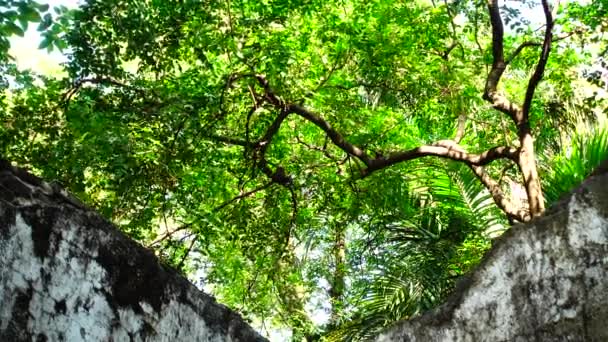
66, 274
542, 281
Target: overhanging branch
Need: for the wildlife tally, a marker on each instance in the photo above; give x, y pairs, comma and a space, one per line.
443, 149
448, 149
333, 135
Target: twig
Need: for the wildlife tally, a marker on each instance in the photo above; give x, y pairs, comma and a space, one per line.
241, 196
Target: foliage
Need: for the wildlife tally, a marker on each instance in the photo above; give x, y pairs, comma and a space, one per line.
15, 17
568, 169
429, 250
356, 153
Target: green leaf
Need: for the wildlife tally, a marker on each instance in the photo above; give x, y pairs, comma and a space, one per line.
11, 28
45, 43
46, 22
60, 44
43, 7
31, 15
24, 23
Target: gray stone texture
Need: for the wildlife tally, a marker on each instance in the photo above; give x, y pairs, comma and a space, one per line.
66, 274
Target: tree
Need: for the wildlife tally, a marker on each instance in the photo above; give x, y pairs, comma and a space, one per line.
304, 149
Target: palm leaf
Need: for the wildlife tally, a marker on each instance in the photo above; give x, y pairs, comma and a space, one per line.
587, 150
451, 205
390, 299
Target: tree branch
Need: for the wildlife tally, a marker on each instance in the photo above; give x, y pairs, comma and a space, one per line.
319, 149
278, 176
526, 44
542, 62
333, 135
498, 196
498, 101
460, 128
182, 260
520, 48
243, 195
168, 234
444, 149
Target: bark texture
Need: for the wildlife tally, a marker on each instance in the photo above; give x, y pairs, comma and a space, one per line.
546, 280
66, 274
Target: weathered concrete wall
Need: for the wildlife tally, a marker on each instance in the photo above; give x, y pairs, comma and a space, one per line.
66, 274
543, 281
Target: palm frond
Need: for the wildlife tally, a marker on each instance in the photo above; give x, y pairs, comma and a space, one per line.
390, 299
451, 209
587, 150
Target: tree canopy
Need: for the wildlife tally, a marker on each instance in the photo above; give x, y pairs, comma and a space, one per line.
346, 160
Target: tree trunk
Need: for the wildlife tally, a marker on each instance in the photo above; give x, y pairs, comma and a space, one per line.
336, 293
527, 166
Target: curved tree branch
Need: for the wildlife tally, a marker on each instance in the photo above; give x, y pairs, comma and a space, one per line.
526, 44
491, 94
542, 62
333, 135
444, 149
448, 149
507, 206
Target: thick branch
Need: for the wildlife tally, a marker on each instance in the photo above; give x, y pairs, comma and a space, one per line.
335, 137
278, 176
443, 149
527, 164
272, 130
542, 62
498, 101
508, 207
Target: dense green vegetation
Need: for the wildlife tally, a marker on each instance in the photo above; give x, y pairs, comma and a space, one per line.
347, 159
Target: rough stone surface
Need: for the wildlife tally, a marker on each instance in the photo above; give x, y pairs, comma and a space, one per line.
66, 274
543, 281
